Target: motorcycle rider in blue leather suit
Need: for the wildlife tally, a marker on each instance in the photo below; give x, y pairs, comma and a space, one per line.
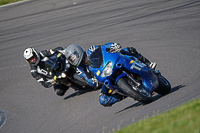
78, 58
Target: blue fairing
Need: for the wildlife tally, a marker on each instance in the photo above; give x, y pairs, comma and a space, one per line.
149, 80
129, 63
113, 57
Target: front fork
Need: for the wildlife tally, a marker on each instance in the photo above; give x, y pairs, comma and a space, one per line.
130, 77
135, 84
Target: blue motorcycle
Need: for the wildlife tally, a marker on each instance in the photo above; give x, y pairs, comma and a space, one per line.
127, 75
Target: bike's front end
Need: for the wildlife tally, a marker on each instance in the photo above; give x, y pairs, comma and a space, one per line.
124, 74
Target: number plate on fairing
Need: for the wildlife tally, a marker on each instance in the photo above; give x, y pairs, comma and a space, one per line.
137, 66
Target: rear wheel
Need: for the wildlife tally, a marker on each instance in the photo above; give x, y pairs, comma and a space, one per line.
164, 86
139, 94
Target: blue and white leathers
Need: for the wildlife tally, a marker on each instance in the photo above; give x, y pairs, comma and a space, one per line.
82, 74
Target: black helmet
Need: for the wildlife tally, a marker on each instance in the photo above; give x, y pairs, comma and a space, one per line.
74, 54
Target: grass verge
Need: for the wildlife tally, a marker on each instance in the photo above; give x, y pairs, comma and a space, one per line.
183, 119
4, 2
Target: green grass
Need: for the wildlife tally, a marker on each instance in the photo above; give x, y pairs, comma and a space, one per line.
4, 2
183, 119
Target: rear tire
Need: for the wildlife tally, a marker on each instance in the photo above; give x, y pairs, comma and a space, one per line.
125, 86
164, 86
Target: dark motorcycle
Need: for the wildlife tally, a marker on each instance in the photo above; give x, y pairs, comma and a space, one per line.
62, 73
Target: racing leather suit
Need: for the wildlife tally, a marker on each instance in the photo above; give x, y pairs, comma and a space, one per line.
84, 73
42, 76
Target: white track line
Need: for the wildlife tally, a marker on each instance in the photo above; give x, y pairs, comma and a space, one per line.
15, 3
3, 118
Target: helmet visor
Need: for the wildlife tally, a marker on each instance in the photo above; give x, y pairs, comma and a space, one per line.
33, 59
73, 57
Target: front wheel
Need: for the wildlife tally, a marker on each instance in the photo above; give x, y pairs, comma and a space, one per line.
164, 86
126, 86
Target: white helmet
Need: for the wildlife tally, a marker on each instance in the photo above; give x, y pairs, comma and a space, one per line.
31, 56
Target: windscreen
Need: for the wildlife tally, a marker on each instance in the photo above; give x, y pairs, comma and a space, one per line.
96, 58
51, 63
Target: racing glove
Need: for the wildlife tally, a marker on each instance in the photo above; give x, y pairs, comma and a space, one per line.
95, 81
115, 47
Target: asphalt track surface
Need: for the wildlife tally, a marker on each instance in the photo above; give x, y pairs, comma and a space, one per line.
165, 31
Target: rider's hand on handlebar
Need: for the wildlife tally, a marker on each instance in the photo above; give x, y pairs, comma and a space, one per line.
95, 81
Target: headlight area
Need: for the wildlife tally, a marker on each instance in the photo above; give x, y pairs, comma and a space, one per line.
107, 71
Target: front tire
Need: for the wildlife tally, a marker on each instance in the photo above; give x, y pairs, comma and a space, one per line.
164, 86
124, 84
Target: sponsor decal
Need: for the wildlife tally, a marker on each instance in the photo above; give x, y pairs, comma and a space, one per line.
97, 73
59, 55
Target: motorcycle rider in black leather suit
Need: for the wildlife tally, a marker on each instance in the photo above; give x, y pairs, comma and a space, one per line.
38, 70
